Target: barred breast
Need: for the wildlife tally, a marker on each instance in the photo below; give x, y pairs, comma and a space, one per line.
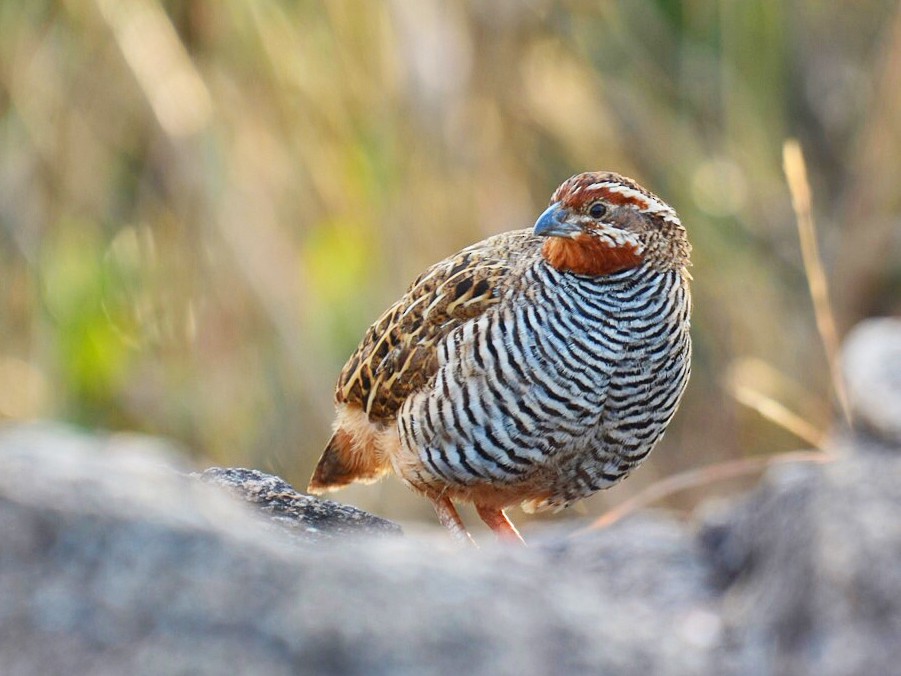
557, 391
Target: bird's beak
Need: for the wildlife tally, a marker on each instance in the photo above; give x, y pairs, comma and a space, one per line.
553, 223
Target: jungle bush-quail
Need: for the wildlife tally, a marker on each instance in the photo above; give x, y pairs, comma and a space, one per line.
536, 367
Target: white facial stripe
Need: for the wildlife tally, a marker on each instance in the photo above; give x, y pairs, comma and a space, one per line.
617, 239
650, 205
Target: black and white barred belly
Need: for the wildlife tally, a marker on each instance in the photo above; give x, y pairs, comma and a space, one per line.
572, 377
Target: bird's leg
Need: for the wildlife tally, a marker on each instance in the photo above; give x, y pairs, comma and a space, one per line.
450, 519
500, 524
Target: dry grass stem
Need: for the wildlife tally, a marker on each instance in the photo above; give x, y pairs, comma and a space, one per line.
799, 187
779, 414
761, 387
161, 64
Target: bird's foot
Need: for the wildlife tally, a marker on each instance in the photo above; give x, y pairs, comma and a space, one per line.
500, 524
450, 519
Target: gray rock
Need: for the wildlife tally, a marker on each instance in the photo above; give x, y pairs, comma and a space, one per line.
808, 567
309, 518
112, 563
871, 363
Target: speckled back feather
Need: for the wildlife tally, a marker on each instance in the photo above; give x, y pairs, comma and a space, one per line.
399, 352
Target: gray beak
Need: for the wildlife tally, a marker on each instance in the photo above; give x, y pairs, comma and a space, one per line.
552, 223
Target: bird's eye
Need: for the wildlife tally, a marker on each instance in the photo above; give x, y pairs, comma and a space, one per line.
597, 210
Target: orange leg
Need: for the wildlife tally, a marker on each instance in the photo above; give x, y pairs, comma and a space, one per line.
447, 515
500, 524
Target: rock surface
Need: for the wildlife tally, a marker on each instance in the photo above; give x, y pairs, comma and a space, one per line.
112, 563
302, 515
114, 560
871, 362
809, 572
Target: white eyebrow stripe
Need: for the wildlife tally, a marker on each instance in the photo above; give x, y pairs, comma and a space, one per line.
655, 206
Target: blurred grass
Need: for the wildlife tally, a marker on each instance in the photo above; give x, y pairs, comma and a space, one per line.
203, 204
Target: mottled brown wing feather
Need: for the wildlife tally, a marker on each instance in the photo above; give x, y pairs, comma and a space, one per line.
399, 352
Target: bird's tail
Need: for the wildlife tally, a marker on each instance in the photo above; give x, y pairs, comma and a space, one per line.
343, 462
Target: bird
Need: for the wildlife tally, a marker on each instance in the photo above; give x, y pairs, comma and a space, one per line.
533, 368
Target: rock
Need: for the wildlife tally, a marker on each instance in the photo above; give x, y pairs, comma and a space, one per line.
808, 567
304, 515
113, 563
871, 361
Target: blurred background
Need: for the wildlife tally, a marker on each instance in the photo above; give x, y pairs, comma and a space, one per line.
204, 203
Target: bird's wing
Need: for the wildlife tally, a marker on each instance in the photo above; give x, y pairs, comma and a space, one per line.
399, 352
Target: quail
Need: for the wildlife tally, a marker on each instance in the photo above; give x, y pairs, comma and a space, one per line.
535, 367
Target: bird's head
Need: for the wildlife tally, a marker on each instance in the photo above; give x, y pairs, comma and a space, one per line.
599, 223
